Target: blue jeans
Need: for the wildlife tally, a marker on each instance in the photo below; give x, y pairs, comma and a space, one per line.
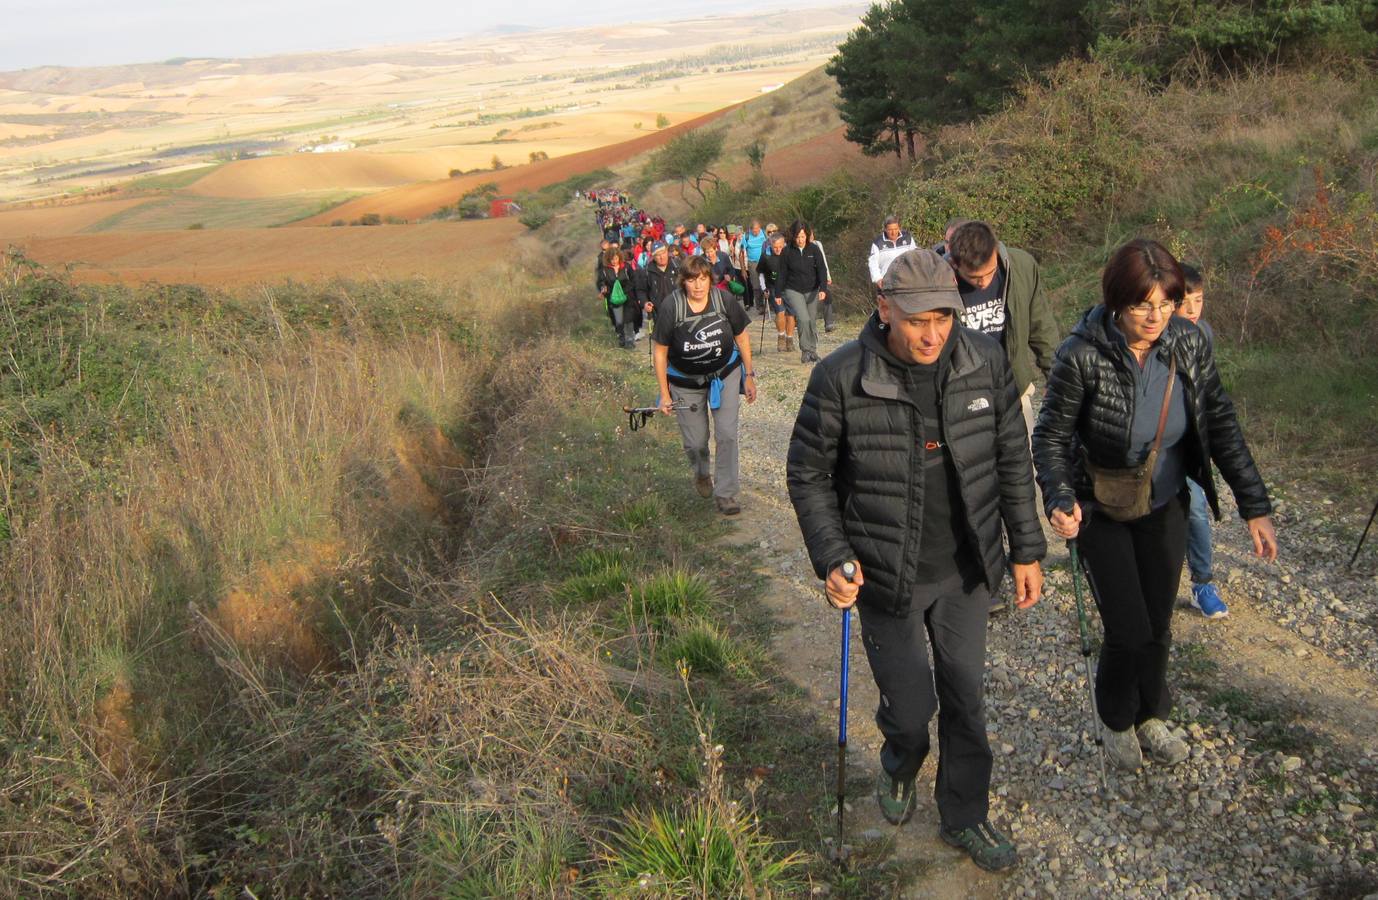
1199, 536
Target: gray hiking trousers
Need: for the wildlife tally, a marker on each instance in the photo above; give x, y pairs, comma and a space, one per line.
804, 308
693, 429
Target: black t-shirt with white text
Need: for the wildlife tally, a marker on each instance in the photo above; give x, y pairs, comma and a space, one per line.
702, 343
985, 307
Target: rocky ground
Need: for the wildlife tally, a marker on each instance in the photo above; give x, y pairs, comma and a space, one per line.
1279, 703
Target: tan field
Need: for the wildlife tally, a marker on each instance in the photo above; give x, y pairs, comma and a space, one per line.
176, 171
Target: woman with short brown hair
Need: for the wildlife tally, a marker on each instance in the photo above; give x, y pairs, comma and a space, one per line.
702, 358
1134, 407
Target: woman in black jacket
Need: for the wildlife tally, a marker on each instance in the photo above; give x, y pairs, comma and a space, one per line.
1134, 386
615, 287
802, 282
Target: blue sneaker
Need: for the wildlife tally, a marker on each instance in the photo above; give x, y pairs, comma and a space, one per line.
1207, 599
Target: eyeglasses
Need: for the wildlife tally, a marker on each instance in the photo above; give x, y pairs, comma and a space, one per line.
1141, 310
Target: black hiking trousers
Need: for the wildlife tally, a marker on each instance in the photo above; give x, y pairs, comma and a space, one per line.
953, 621
1134, 569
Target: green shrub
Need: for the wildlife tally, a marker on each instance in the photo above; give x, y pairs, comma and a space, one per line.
600, 574
1063, 151
646, 512
672, 595
534, 218
702, 851
703, 649
472, 853
1155, 37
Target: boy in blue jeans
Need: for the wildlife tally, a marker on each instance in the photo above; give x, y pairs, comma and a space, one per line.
1204, 596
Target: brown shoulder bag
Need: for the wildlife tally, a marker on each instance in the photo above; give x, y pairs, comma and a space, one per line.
1125, 494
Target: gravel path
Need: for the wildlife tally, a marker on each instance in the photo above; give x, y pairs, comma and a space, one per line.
1279, 703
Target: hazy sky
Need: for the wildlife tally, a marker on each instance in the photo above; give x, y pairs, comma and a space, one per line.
102, 32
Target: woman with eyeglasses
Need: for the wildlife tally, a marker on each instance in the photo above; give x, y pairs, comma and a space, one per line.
1134, 407
702, 357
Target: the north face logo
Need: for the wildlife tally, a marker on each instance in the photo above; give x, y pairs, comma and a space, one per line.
978, 404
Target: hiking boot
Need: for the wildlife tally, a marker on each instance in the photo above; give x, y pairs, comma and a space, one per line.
728, 506
704, 485
1165, 747
987, 847
1122, 748
805, 357
1206, 598
789, 342
780, 343
897, 799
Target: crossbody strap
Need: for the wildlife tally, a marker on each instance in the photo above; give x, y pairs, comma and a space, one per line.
1167, 399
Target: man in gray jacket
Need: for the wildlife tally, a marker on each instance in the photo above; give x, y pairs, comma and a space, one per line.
910, 458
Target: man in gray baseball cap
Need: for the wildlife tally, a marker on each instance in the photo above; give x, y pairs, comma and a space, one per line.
909, 458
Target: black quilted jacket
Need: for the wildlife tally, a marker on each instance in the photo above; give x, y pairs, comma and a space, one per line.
1089, 406
855, 470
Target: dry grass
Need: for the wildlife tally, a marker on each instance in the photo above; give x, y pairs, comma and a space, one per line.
159, 593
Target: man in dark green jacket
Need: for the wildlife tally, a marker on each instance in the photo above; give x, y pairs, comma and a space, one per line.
1001, 297
910, 458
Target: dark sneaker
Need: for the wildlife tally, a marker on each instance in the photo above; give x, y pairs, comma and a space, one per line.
987, 847
896, 798
728, 506
704, 485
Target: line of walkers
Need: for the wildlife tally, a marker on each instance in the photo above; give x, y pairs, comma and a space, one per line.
915, 454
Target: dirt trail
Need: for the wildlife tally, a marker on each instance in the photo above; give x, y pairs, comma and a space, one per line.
1291, 824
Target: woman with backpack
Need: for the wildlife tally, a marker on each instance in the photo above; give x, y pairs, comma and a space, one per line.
1134, 408
703, 363
615, 287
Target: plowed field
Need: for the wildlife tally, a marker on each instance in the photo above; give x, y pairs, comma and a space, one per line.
250, 256
48, 221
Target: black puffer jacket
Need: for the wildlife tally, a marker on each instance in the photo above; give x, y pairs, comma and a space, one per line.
654, 284
855, 467
1089, 407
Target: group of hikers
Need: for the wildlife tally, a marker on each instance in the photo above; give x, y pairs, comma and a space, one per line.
914, 455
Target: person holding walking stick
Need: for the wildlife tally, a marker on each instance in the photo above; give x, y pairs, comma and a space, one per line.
1134, 408
908, 460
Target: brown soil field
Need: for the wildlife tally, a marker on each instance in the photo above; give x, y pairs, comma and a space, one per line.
50, 221
241, 257
415, 201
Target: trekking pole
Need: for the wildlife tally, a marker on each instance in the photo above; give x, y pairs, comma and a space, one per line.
638, 416
765, 314
1086, 659
1363, 536
840, 852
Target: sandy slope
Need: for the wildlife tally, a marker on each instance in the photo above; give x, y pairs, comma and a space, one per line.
415, 201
